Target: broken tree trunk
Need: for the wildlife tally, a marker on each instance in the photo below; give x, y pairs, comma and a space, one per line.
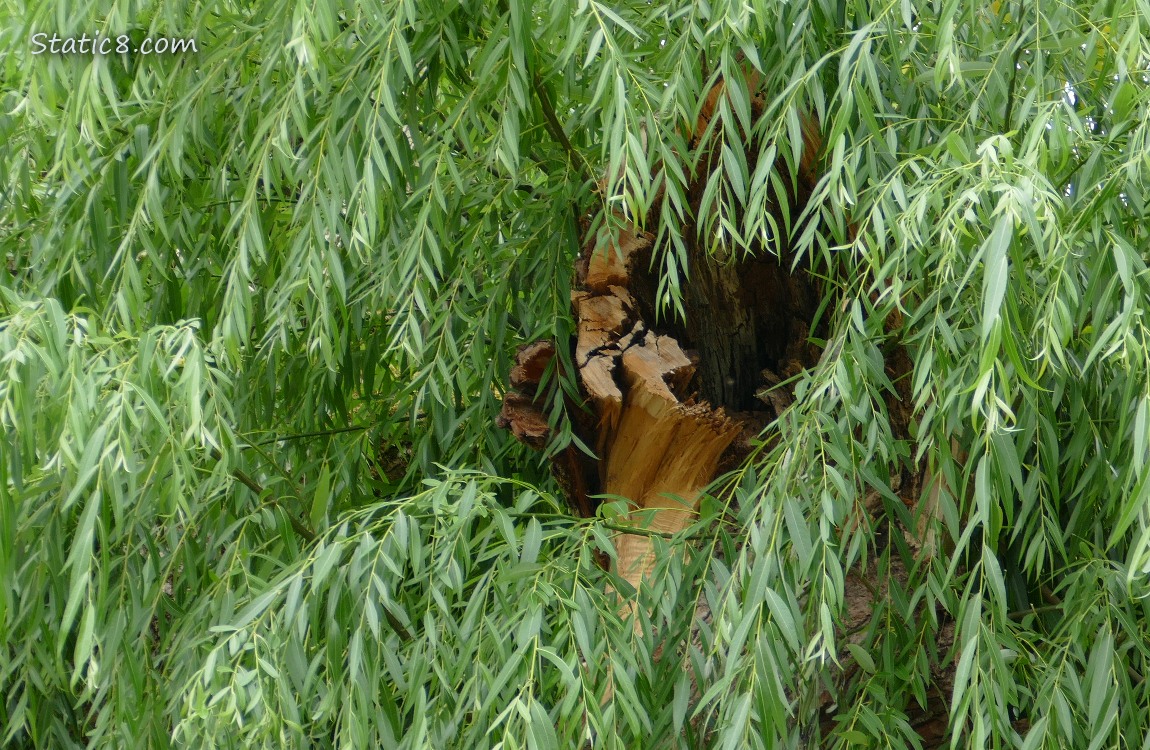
667, 406
658, 448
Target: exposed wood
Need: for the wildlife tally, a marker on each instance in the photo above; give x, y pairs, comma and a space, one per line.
524, 415
664, 451
656, 443
657, 447
522, 411
610, 265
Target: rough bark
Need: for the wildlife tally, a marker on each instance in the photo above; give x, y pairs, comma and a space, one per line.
749, 314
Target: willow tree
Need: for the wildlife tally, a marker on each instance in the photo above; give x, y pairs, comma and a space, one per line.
351, 359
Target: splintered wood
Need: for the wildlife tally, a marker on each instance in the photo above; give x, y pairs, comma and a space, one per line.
522, 414
658, 448
655, 445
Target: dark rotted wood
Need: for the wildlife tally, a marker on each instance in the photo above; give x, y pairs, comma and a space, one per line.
746, 311
741, 318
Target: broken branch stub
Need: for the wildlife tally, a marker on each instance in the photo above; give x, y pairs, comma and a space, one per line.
522, 411
663, 451
656, 446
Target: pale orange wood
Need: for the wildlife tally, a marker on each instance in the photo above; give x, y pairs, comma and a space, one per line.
655, 450
664, 452
609, 264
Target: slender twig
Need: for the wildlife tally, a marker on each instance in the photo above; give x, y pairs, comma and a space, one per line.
1053, 604
580, 520
246, 480
281, 470
1022, 613
1049, 596
1013, 72
639, 531
306, 435
557, 132
297, 526
624, 528
1065, 180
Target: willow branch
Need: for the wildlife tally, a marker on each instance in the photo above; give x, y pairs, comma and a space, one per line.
246, 480
555, 128
297, 526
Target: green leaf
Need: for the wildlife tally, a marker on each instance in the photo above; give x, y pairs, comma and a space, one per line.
996, 271
321, 499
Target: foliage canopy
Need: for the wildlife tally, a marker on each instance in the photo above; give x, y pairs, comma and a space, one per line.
230, 276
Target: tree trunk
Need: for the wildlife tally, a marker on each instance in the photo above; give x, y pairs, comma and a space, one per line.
671, 404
